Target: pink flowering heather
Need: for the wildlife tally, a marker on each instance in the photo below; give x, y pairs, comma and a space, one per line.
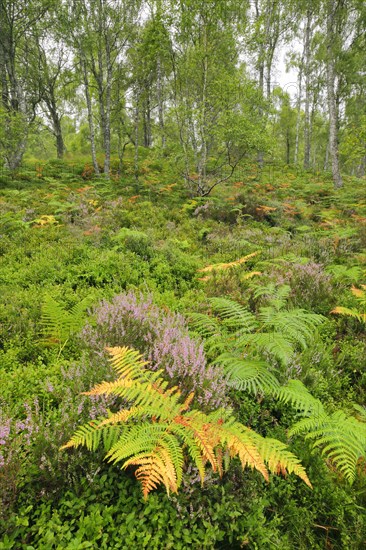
162, 337
4, 436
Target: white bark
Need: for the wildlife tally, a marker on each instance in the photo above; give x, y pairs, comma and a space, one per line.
332, 104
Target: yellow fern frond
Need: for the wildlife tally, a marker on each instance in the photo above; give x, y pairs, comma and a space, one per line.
250, 275
122, 416
247, 452
358, 292
106, 388
223, 266
153, 433
126, 361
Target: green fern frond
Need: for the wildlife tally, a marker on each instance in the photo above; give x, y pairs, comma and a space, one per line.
247, 374
277, 296
205, 325
58, 324
344, 273
360, 412
90, 436
155, 430
298, 325
299, 397
342, 439
273, 343
272, 330
234, 314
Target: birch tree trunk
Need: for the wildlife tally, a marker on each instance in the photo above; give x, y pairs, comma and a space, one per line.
136, 124
90, 114
108, 107
160, 102
298, 113
332, 105
307, 141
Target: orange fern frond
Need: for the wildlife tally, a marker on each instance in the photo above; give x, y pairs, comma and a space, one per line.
155, 431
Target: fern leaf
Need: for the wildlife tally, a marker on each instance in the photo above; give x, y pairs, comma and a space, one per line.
180, 430
153, 432
205, 325
240, 442
299, 397
58, 323
350, 313
279, 459
343, 440
271, 342
247, 374
276, 295
126, 361
235, 315
225, 266
88, 435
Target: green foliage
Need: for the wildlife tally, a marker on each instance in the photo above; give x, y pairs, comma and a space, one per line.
56, 499
274, 329
150, 433
247, 374
341, 437
60, 324
360, 295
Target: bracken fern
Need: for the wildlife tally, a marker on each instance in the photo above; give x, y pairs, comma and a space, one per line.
157, 429
360, 295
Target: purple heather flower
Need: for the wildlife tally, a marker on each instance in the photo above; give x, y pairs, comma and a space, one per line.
162, 337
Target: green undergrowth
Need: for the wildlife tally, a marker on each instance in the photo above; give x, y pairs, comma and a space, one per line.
69, 236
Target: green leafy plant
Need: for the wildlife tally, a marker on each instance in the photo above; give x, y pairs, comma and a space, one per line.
342, 273
275, 329
340, 436
58, 323
155, 431
360, 295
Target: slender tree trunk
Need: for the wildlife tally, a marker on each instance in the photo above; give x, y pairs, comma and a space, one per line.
202, 166
56, 126
269, 75
160, 102
307, 141
90, 115
108, 107
298, 114
332, 105
60, 146
136, 124
146, 114
288, 147
260, 155
326, 160
361, 169
260, 68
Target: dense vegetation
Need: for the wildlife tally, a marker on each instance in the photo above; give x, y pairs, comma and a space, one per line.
183, 312
237, 298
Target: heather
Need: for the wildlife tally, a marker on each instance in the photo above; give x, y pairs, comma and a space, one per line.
162, 338
87, 264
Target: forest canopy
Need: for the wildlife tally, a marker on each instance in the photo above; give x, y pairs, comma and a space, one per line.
194, 79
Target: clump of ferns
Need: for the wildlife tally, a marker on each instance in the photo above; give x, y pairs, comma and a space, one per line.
157, 431
340, 435
358, 313
60, 324
238, 340
234, 336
